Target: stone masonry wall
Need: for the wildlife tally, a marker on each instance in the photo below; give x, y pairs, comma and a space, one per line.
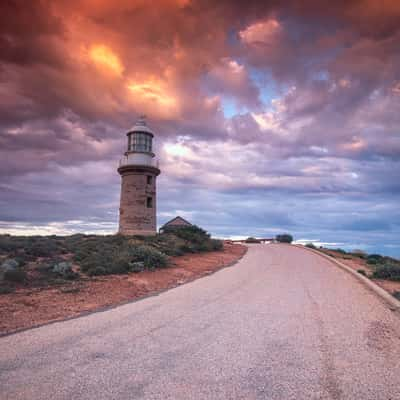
134, 215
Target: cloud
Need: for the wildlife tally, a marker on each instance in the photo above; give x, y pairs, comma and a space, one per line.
268, 116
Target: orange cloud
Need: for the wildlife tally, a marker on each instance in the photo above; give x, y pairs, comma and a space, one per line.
261, 32
106, 59
153, 92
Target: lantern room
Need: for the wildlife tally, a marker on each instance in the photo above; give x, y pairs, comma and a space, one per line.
140, 138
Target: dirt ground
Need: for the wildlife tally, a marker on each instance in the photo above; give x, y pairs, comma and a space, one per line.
357, 263
26, 308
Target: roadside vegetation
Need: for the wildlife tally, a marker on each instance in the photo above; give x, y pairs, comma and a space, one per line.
284, 238
48, 260
373, 266
252, 239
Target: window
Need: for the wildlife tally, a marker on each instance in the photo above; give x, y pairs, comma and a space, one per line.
149, 202
149, 179
140, 141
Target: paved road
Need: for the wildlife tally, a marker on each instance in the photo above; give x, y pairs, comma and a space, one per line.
282, 324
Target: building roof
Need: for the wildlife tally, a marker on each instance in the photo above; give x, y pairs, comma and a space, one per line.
176, 222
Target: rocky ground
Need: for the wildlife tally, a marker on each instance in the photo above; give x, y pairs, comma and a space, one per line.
28, 307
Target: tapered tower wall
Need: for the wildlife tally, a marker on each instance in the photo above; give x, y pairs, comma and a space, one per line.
139, 170
137, 214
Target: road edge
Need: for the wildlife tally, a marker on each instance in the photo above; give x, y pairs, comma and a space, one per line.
392, 302
126, 302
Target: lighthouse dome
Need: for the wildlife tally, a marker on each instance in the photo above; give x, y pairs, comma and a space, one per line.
141, 126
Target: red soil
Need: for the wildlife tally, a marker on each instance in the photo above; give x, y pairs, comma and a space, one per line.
26, 308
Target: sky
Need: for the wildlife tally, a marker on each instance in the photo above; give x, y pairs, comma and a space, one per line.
270, 116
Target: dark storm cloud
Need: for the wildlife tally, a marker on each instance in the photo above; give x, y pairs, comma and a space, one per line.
75, 74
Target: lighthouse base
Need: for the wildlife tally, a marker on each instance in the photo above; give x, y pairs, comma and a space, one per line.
136, 232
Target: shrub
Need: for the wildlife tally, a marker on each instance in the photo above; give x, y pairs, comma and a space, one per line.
94, 260
362, 272
217, 244
310, 245
396, 294
151, 257
8, 244
168, 244
6, 289
97, 271
62, 268
358, 253
338, 250
284, 238
252, 239
10, 263
41, 247
15, 275
137, 266
375, 259
191, 233
122, 260
188, 239
390, 272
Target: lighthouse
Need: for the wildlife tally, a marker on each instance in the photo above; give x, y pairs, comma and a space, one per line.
139, 170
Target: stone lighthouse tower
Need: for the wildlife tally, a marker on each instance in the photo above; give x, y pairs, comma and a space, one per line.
139, 170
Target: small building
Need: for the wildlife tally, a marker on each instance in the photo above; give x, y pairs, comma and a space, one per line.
176, 222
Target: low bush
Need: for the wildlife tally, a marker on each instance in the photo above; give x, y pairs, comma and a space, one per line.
252, 239
125, 259
390, 272
6, 289
191, 233
358, 253
151, 257
8, 244
311, 246
97, 271
396, 294
15, 275
192, 239
284, 238
217, 244
100, 255
339, 250
362, 272
375, 259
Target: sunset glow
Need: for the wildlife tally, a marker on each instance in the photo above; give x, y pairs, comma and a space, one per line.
104, 58
154, 92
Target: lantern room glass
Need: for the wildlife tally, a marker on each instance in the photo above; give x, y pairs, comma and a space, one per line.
140, 142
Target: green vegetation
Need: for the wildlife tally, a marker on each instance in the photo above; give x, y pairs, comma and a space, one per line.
252, 240
390, 272
383, 267
396, 294
375, 259
55, 259
126, 257
311, 246
284, 238
14, 275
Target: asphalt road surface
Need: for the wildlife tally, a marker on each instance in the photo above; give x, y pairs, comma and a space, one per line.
282, 324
